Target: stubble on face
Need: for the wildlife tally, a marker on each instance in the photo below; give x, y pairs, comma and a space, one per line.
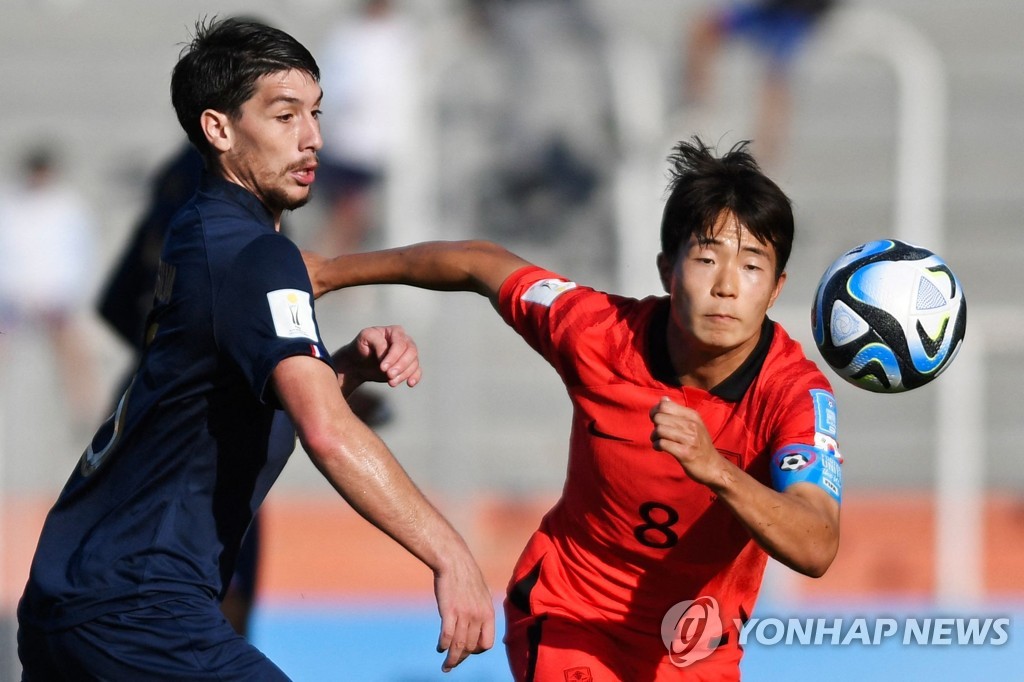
274, 190
277, 130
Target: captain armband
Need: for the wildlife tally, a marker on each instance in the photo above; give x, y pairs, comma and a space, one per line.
800, 463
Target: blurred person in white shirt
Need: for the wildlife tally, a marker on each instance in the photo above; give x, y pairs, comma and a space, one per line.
369, 73
48, 246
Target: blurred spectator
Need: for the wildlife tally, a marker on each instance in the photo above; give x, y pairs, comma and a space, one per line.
127, 295
777, 30
47, 252
369, 71
551, 127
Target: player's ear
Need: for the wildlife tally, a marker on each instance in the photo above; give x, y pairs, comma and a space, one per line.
778, 289
665, 265
217, 128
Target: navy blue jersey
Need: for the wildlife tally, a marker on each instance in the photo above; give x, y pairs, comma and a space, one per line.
157, 507
128, 295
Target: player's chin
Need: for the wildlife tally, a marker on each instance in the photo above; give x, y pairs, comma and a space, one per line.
293, 198
300, 194
301, 201
723, 342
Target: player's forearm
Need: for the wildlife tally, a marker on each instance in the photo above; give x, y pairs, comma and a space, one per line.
792, 527
443, 266
364, 472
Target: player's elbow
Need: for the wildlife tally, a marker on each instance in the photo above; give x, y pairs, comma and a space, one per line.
482, 247
812, 540
484, 265
320, 440
337, 445
818, 557
816, 568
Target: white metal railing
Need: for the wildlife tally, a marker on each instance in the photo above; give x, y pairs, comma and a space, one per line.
922, 132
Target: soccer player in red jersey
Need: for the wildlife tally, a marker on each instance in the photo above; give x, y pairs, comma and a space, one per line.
703, 440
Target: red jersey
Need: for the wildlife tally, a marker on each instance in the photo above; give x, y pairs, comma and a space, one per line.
632, 535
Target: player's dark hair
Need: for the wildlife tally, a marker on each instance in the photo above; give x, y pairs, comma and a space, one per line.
219, 67
702, 185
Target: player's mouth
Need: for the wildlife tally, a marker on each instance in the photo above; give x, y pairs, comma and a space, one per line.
305, 175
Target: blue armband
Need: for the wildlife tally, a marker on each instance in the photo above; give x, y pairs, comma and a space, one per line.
800, 463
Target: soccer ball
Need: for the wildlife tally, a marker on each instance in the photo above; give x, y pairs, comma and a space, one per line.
889, 316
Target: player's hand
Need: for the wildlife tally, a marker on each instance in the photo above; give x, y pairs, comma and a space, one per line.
314, 264
679, 431
467, 611
381, 354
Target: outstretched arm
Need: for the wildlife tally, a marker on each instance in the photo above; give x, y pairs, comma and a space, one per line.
478, 266
798, 527
362, 469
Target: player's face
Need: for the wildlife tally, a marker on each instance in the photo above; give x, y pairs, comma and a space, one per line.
721, 289
272, 146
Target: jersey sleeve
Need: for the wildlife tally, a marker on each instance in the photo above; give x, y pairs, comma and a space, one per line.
263, 312
806, 449
536, 303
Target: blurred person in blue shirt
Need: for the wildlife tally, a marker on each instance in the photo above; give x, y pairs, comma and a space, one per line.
777, 30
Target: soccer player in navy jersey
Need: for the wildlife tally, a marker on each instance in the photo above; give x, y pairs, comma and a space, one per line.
139, 546
703, 440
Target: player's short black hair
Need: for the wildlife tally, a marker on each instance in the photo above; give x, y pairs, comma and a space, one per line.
703, 185
219, 67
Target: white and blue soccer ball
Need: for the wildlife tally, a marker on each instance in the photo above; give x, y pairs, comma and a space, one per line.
889, 316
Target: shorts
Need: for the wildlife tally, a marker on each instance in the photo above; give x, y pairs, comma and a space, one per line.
551, 648
181, 639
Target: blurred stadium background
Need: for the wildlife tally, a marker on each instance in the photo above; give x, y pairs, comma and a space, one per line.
906, 123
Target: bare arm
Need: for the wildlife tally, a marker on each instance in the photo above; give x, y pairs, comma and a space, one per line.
362, 469
478, 266
798, 527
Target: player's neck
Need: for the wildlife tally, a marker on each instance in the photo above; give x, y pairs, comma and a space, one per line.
701, 366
